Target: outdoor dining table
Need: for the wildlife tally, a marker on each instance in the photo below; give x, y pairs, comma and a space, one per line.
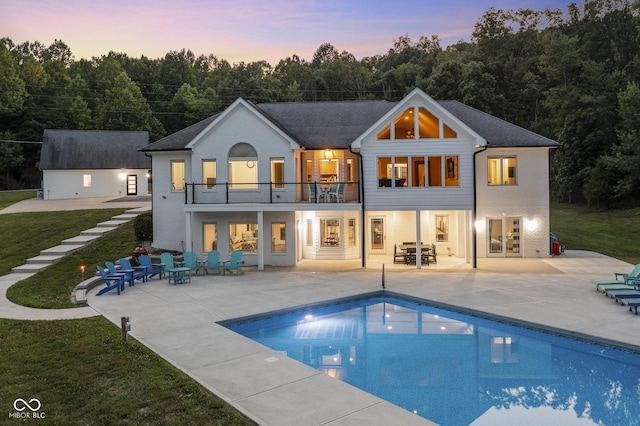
179, 275
411, 249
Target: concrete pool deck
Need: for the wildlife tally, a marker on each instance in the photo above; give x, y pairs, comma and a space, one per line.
179, 323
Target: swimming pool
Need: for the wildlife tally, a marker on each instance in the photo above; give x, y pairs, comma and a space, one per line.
453, 368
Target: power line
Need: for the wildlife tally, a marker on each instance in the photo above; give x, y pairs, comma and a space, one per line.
12, 141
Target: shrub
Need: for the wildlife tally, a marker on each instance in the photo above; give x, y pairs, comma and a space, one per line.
143, 227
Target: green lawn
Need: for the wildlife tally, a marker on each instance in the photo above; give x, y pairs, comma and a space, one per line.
615, 233
11, 197
81, 370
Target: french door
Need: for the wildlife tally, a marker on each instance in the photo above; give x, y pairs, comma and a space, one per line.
377, 234
504, 237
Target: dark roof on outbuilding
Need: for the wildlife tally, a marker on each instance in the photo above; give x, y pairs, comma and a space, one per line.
318, 125
497, 132
93, 149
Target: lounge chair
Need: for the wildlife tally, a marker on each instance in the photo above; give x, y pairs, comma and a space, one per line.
190, 261
134, 272
213, 262
112, 282
632, 303
152, 268
618, 295
621, 279
233, 264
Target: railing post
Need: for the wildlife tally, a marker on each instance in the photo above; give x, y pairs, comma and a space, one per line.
270, 192
186, 193
226, 186
193, 193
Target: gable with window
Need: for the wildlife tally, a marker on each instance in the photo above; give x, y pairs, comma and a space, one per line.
416, 123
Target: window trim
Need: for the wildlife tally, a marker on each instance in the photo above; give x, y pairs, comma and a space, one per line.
173, 179
503, 165
205, 185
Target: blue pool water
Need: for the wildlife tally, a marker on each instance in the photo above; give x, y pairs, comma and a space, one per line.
456, 369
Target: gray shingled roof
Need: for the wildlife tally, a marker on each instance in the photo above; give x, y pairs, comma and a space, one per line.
179, 140
497, 132
93, 149
318, 125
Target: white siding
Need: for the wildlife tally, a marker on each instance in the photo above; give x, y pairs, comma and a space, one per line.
169, 221
243, 126
62, 184
423, 198
529, 199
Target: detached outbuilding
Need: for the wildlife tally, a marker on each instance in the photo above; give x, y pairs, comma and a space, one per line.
94, 163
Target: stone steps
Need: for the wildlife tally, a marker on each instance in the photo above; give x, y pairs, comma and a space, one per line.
51, 255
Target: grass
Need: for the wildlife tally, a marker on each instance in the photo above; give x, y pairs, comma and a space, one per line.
52, 287
615, 233
84, 374
24, 235
11, 197
81, 370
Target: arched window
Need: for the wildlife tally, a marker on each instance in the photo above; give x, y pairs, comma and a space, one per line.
243, 167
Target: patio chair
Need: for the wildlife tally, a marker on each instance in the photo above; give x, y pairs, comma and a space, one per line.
152, 268
167, 262
399, 256
112, 270
233, 264
112, 282
337, 192
432, 256
213, 262
136, 272
190, 261
313, 191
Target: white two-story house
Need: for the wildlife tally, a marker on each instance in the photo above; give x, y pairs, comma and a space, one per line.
349, 180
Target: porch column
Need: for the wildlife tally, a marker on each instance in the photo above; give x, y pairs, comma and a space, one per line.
188, 240
418, 241
262, 244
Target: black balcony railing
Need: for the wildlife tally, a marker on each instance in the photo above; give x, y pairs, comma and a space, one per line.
272, 192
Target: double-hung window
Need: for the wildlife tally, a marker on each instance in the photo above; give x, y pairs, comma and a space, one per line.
501, 171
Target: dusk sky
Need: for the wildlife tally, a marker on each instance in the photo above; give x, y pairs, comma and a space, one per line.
243, 30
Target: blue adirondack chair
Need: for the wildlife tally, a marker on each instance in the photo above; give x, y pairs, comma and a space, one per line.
213, 262
233, 264
112, 282
112, 270
153, 269
134, 272
190, 261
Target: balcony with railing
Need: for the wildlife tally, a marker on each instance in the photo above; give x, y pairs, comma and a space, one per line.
272, 192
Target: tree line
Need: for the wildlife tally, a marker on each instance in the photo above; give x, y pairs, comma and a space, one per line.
572, 75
